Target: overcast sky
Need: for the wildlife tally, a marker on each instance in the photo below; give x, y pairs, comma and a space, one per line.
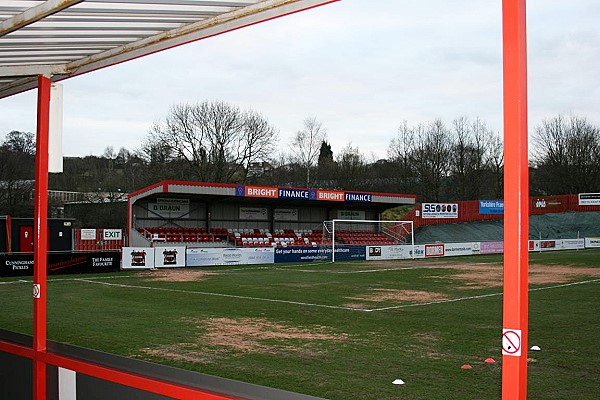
361, 67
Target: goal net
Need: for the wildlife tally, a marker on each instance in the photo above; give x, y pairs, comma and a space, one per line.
347, 235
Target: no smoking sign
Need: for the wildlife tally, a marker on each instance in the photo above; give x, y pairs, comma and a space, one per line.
511, 342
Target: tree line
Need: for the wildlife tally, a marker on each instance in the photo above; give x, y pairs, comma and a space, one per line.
220, 142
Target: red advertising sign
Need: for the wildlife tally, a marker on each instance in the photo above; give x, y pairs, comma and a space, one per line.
261, 191
330, 195
434, 250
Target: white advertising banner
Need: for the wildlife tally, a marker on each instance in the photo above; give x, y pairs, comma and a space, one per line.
169, 210
138, 258
572, 244
196, 257
285, 214
169, 257
112, 234
589, 199
397, 252
88, 234
592, 242
439, 210
254, 213
458, 249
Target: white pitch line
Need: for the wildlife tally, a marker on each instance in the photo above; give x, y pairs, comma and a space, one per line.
363, 271
222, 295
19, 281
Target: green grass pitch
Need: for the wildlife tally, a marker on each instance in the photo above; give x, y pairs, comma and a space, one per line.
339, 331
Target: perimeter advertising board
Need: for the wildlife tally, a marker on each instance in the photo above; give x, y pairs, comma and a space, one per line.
317, 253
572, 244
589, 199
398, 252
592, 242
491, 207
458, 249
197, 257
138, 258
439, 210
21, 264
491, 247
169, 256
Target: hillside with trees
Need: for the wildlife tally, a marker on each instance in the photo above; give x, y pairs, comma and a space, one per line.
219, 142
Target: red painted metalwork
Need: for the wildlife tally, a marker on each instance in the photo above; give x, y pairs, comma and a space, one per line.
16, 349
40, 236
516, 195
8, 234
133, 380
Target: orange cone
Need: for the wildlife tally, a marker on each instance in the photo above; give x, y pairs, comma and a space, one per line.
466, 366
490, 360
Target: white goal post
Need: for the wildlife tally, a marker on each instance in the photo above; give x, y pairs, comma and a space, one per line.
355, 232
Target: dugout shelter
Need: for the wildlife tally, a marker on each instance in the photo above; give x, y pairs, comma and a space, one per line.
204, 213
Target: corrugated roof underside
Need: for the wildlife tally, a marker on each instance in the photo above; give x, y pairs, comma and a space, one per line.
202, 190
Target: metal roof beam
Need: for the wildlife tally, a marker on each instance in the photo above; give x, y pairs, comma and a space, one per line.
246, 16
34, 14
32, 70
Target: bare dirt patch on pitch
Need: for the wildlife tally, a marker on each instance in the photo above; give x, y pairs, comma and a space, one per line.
396, 296
176, 275
479, 276
223, 337
262, 336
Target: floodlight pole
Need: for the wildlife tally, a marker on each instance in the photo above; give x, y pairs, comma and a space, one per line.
40, 237
516, 205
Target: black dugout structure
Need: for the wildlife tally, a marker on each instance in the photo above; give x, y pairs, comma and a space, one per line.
16, 234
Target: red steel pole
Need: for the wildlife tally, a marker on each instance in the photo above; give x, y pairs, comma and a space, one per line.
516, 206
40, 238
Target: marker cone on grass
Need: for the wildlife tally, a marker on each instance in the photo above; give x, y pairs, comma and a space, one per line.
466, 366
490, 360
398, 382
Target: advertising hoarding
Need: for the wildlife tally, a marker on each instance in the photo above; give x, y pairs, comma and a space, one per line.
21, 264
491, 247
285, 214
458, 249
138, 258
197, 257
491, 207
439, 210
169, 256
592, 242
589, 199
254, 213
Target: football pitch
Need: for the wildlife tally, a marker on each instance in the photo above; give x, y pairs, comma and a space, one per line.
339, 331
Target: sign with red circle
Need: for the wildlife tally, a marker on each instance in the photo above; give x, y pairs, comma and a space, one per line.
511, 342
36, 290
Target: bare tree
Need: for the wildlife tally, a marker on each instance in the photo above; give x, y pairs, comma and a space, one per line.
400, 154
306, 145
216, 140
20, 142
472, 145
566, 153
351, 168
431, 158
